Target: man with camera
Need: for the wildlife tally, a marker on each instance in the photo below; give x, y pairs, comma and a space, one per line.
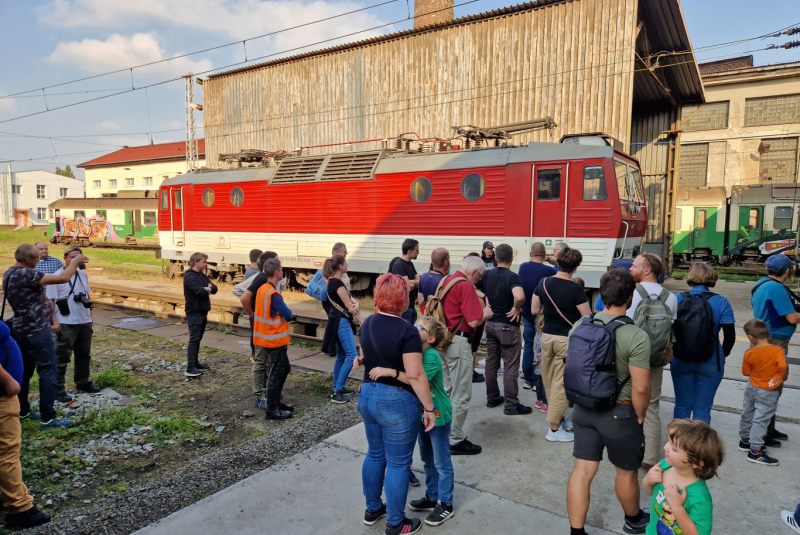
24, 285
73, 326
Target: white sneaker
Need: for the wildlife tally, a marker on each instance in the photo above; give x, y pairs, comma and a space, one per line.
567, 424
788, 519
526, 385
559, 436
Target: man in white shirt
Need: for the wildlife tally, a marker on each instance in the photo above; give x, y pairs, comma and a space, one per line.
73, 324
646, 269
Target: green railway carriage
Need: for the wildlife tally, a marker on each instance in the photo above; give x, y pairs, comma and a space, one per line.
123, 221
755, 222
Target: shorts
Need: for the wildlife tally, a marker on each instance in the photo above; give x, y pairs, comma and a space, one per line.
616, 430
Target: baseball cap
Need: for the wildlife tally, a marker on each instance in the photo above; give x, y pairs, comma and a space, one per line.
779, 262
488, 245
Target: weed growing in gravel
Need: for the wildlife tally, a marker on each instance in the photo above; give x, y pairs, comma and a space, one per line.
113, 377
222, 328
173, 426
320, 384
108, 420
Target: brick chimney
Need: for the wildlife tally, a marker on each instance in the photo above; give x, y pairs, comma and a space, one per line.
427, 12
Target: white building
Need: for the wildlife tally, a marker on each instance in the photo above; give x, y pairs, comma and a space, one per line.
24, 195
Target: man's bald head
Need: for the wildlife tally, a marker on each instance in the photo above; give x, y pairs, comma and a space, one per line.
439, 257
41, 249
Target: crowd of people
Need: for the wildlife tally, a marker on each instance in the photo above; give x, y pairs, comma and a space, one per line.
596, 370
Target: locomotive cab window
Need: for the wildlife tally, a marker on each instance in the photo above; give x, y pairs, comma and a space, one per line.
753, 223
783, 218
178, 199
473, 187
237, 196
208, 197
421, 189
702, 216
164, 199
678, 216
548, 185
594, 183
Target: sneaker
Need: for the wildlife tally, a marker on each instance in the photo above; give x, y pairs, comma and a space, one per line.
277, 414
501, 371
770, 442
762, 458
339, 397
440, 515
30, 416
371, 517
423, 504
559, 436
777, 435
790, 519
202, 366
478, 377
191, 371
406, 527
637, 527
89, 388
260, 403
55, 422
27, 519
285, 407
526, 385
541, 406
413, 480
347, 391
493, 404
567, 424
519, 409
63, 398
465, 447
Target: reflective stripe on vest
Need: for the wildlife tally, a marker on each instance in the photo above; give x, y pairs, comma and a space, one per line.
268, 331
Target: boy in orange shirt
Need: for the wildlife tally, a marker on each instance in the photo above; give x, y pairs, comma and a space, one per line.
766, 367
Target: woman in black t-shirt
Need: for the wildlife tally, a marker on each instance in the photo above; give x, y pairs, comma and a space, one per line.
343, 315
391, 410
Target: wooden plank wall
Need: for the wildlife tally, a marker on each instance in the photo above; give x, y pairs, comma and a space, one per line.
573, 61
648, 145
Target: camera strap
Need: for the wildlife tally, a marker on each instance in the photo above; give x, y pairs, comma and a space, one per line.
72, 285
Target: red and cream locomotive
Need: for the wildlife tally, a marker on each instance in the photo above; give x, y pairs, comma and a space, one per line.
583, 191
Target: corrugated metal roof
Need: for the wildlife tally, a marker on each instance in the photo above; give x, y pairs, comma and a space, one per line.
106, 203
161, 151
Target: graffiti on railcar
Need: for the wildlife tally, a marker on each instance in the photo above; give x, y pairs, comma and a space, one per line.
92, 227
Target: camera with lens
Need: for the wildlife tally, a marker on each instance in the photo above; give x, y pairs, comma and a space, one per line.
83, 299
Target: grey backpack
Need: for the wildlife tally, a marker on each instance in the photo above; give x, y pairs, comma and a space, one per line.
654, 317
590, 372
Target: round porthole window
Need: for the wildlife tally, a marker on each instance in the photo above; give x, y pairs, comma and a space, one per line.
237, 196
473, 187
208, 197
421, 189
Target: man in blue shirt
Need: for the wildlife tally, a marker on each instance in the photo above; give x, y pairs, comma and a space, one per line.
531, 273
47, 264
774, 304
428, 282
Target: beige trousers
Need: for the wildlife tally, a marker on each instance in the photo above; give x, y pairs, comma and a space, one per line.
457, 367
554, 354
652, 420
15, 494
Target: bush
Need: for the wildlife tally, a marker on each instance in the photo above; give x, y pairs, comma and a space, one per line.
114, 376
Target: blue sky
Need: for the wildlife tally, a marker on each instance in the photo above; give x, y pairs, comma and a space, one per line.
49, 42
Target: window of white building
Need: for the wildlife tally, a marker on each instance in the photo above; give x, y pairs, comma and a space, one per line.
128, 182
16, 189
41, 191
97, 184
41, 213
148, 181
112, 183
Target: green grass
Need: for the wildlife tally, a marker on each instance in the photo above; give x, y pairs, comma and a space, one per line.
108, 420
114, 377
172, 426
20, 236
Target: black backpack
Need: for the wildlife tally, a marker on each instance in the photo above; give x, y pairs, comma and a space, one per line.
590, 372
695, 339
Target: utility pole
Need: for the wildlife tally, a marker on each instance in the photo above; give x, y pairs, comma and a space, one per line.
6, 197
191, 135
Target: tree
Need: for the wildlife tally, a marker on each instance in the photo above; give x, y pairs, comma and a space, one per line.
65, 172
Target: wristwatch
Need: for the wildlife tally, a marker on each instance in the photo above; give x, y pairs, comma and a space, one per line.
397, 374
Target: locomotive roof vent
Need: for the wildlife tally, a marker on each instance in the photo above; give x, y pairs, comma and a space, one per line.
597, 139
298, 169
351, 165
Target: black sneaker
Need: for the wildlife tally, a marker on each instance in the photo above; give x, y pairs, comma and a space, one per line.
423, 504
770, 442
63, 398
191, 371
27, 519
339, 397
406, 527
637, 527
284, 407
202, 366
762, 458
441, 514
777, 435
277, 414
371, 517
519, 409
478, 377
89, 388
465, 447
493, 404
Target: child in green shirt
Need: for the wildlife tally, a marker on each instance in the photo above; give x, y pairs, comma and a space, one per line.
434, 445
681, 501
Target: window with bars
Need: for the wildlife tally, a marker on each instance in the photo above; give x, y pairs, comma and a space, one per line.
778, 163
694, 165
780, 109
710, 116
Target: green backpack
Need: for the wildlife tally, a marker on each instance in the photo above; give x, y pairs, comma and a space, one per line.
654, 317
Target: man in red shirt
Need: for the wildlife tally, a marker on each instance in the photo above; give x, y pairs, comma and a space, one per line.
464, 313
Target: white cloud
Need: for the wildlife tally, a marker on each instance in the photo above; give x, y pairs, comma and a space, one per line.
112, 126
118, 51
7, 105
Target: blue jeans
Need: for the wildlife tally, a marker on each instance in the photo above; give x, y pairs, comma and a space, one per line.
695, 385
392, 420
434, 448
346, 353
410, 315
38, 354
528, 334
